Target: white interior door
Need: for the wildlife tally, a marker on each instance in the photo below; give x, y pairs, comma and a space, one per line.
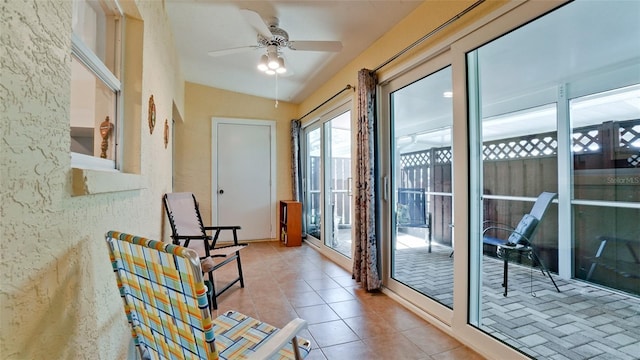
242, 176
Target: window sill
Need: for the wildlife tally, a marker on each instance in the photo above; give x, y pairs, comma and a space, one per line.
91, 181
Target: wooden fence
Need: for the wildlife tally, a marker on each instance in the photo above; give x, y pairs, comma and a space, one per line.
526, 166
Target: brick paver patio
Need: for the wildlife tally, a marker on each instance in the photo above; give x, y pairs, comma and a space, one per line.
581, 322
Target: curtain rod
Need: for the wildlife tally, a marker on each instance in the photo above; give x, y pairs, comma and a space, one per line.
430, 34
326, 101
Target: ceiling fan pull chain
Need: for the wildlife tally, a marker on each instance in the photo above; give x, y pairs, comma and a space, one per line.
276, 90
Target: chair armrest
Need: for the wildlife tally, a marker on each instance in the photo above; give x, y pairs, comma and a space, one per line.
187, 239
279, 340
191, 237
222, 227
510, 231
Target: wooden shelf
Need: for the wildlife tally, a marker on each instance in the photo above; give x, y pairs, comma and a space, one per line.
290, 223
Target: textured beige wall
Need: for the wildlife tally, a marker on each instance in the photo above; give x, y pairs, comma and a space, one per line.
58, 294
193, 138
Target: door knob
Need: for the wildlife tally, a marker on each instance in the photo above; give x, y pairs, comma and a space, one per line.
221, 191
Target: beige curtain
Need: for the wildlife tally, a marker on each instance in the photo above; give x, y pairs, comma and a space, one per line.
365, 260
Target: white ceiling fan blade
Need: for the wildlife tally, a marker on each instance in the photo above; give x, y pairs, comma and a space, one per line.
255, 20
230, 51
334, 46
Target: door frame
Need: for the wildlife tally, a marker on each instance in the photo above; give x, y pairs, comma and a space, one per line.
215, 121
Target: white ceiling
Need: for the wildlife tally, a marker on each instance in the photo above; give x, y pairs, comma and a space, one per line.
520, 70
200, 26
591, 47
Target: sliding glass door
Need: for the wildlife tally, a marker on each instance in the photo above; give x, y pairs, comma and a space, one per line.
420, 264
313, 183
328, 180
554, 107
337, 194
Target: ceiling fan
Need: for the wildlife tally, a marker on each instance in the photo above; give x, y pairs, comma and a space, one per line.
274, 39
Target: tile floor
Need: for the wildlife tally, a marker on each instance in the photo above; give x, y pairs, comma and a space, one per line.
581, 322
345, 322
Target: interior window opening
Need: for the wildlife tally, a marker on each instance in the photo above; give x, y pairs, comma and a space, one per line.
95, 84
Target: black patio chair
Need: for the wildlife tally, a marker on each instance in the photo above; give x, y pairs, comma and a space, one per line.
188, 231
519, 239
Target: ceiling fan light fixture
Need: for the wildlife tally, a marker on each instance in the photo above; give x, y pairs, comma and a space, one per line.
262, 65
270, 72
281, 68
273, 61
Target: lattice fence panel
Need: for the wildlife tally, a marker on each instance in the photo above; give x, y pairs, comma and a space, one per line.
630, 135
629, 138
518, 148
586, 140
415, 159
443, 156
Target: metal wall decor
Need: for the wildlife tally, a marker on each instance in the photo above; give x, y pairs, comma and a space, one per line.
152, 114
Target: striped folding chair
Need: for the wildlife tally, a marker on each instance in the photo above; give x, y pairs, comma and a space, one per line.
166, 303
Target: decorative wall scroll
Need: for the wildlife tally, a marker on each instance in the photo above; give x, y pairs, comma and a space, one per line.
166, 133
152, 114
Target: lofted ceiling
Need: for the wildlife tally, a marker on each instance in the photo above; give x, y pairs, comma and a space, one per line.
519, 75
201, 26
518, 80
